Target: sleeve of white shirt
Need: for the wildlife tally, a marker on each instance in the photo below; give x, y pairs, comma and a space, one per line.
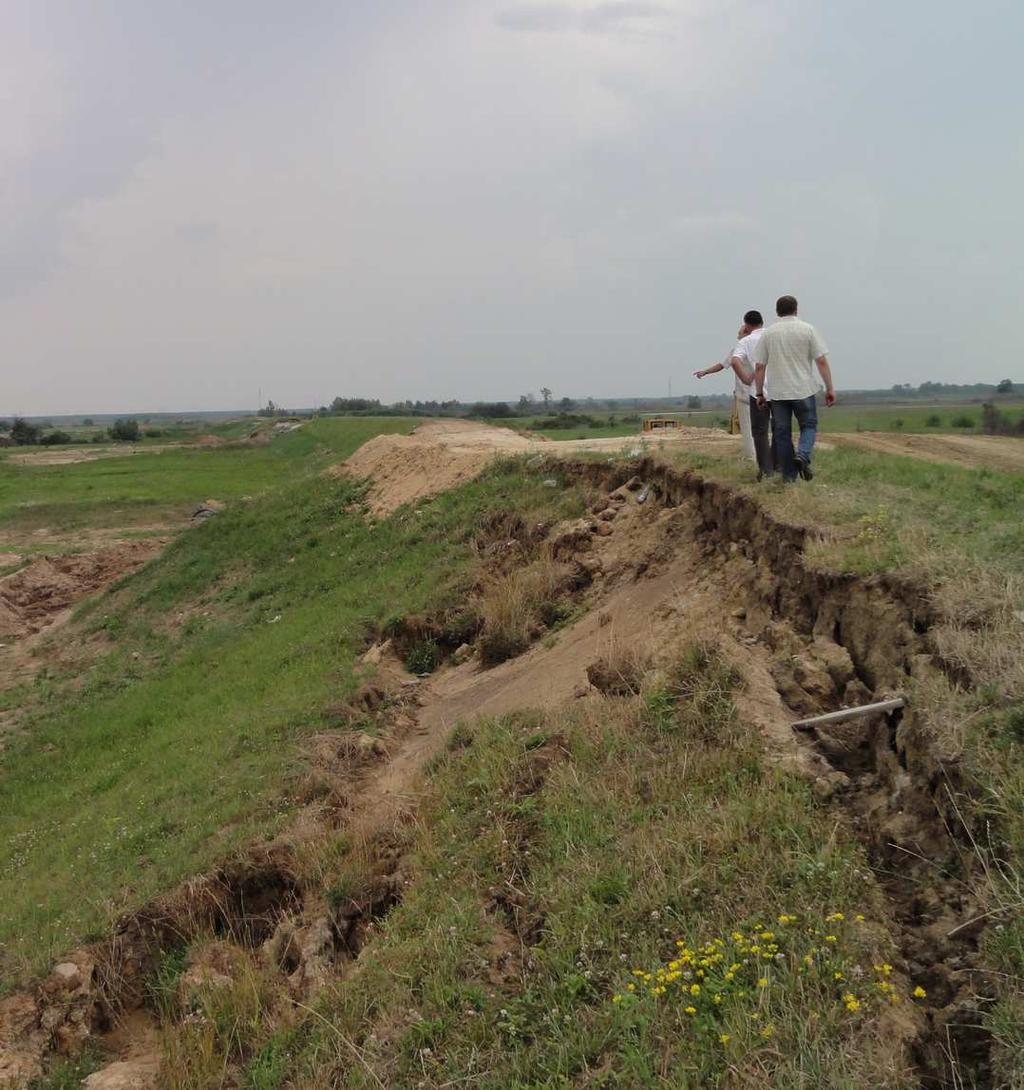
739, 351
818, 346
760, 351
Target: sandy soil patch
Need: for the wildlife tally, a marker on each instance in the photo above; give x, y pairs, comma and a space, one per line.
63, 456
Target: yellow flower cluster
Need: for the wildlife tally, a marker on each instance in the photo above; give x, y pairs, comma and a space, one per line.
751, 964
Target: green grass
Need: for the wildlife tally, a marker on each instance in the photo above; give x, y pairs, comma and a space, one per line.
162, 486
939, 418
557, 854
887, 513
175, 747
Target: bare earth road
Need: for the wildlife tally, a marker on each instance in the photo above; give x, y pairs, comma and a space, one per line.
995, 451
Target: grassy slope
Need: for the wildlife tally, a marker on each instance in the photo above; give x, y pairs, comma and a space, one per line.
176, 743
161, 486
959, 531
619, 829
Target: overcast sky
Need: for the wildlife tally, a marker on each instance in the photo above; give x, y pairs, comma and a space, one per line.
399, 198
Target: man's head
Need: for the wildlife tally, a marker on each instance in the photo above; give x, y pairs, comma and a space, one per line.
753, 320
786, 306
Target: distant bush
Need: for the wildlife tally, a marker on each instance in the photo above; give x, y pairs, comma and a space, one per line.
490, 410
898, 423
567, 420
152, 433
994, 422
56, 438
125, 431
933, 421
25, 434
964, 420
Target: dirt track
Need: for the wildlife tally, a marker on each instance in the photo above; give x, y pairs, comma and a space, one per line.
994, 451
442, 454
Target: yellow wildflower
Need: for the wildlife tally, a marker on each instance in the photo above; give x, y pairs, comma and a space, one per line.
767, 1031
691, 1010
919, 992
616, 998
694, 989
763, 982
723, 1038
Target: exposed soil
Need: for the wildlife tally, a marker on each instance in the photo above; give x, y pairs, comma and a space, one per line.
40, 597
442, 454
62, 456
995, 451
668, 557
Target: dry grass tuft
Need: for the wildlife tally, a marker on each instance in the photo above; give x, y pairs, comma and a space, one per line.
620, 671
519, 606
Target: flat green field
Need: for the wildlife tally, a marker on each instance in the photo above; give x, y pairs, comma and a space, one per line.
156, 488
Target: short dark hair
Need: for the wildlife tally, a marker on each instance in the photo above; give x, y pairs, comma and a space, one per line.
753, 317
785, 306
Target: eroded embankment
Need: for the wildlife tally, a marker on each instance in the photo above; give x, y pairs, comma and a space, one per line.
864, 638
905, 800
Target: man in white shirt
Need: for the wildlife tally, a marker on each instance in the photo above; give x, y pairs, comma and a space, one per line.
743, 368
786, 358
744, 359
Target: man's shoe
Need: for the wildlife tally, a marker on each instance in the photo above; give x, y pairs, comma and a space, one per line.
803, 467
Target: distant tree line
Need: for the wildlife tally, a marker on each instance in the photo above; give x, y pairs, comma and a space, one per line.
26, 433
965, 392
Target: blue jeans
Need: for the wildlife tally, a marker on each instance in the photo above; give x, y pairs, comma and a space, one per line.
806, 412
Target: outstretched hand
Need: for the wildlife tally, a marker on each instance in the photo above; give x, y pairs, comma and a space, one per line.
699, 374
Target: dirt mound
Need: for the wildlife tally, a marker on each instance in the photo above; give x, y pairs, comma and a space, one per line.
443, 454
437, 456
31, 599
208, 441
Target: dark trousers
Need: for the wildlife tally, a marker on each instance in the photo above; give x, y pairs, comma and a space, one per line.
806, 412
760, 424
